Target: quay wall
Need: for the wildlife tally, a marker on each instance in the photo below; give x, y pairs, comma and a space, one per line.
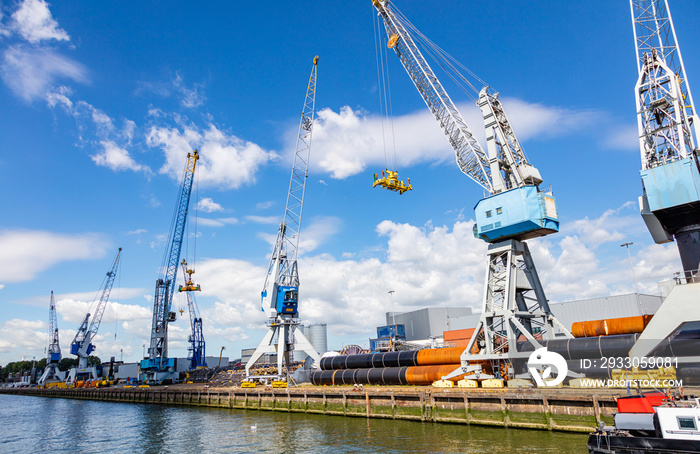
526, 409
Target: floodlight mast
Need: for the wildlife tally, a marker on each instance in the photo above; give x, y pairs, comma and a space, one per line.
514, 301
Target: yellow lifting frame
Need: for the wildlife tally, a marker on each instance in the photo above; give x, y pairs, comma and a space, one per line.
390, 180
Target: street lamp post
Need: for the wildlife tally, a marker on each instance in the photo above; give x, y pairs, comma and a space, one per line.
634, 278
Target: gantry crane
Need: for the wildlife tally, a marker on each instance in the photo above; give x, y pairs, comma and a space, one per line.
197, 348
82, 344
280, 293
53, 351
158, 366
514, 302
668, 141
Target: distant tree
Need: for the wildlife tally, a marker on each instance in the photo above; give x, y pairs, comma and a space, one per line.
67, 363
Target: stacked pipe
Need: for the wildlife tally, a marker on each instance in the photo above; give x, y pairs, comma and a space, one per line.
417, 367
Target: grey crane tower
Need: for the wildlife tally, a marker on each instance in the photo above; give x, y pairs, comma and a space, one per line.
82, 344
514, 301
668, 140
53, 351
280, 295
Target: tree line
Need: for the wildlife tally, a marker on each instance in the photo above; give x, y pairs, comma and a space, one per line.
26, 366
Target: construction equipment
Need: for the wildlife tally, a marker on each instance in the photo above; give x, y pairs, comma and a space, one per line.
53, 351
390, 180
668, 139
515, 210
668, 134
158, 366
82, 344
280, 293
196, 352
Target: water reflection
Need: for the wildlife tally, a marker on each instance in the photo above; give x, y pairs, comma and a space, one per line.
35, 424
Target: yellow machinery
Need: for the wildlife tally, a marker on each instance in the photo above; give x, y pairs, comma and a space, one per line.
390, 180
248, 384
279, 384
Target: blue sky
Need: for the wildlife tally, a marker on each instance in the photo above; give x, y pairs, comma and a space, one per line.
101, 101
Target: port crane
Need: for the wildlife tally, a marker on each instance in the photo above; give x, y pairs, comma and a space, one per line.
82, 344
197, 348
53, 351
280, 293
158, 366
514, 302
668, 124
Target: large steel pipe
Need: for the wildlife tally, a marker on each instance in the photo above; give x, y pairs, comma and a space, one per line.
426, 357
417, 375
610, 326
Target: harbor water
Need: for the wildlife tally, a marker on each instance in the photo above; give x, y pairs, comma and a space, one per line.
41, 424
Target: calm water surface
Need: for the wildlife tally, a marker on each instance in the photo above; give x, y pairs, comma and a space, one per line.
41, 424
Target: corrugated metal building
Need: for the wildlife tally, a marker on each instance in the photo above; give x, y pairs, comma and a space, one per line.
590, 309
429, 322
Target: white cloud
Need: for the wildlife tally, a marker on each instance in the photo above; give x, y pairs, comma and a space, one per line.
264, 205
218, 222
208, 205
34, 22
263, 219
31, 72
610, 227
25, 253
191, 98
226, 161
116, 158
319, 230
26, 335
352, 140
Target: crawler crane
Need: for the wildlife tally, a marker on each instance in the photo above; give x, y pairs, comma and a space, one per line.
280, 293
514, 302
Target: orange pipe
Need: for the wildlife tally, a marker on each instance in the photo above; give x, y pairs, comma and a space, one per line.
611, 326
425, 375
437, 356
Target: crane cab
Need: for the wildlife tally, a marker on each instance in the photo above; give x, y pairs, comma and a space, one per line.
287, 300
390, 180
519, 214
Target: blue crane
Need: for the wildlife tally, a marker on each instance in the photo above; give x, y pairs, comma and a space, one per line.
515, 209
158, 366
669, 130
53, 351
280, 295
82, 345
196, 352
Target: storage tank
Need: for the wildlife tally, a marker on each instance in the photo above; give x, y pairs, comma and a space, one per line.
316, 334
299, 355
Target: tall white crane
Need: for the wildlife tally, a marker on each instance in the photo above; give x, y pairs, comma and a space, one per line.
668, 141
514, 302
280, 295
668, 134
53, 351
82, 344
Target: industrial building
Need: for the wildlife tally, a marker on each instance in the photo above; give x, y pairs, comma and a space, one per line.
456, 324
430, 322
